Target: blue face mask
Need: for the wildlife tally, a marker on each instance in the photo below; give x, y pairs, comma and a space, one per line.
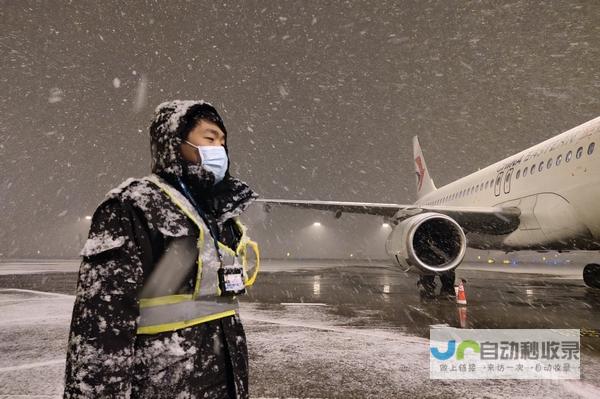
214, 159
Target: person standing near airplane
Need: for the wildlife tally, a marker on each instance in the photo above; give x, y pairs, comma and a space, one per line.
155, 314
426, 284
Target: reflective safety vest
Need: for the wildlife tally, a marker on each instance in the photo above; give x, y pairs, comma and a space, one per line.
173, 312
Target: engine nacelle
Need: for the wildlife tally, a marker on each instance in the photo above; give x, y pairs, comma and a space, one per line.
428, 243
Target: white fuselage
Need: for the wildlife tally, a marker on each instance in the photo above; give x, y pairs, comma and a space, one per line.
555, 184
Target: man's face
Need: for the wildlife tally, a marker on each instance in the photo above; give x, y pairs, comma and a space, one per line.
205, 133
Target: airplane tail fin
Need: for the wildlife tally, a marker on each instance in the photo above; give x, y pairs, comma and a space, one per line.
425, 183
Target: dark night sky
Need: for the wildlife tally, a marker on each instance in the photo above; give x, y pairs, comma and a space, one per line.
321, 100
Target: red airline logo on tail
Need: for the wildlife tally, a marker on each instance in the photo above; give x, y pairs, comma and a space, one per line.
420, 172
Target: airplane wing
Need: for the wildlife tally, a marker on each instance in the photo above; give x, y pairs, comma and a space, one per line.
485, 220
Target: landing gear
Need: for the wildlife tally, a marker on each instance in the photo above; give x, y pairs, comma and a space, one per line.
591, 275
426, 285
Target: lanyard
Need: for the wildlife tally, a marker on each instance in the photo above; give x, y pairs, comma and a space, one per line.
213, 232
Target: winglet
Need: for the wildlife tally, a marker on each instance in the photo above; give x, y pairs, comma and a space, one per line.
425, 184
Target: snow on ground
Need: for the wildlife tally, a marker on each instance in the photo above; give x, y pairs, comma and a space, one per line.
295, 351
12, 267
565, 270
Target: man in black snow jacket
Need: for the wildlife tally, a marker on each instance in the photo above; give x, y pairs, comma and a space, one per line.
155, 314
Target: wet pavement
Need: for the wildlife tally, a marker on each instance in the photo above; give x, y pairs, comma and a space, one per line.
494, 299
325, 329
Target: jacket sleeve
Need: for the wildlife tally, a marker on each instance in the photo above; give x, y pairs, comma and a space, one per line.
104, 323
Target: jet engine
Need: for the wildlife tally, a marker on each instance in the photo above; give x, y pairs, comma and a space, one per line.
428, 243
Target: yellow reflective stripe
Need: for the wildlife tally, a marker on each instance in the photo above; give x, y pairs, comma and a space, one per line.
241, 243
164, 300
182, 324
254, 246
200, 240
199, 273
226, 248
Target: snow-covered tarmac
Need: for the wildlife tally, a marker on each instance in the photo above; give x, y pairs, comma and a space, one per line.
316, 343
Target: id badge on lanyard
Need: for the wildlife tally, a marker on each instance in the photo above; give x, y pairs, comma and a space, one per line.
231, 280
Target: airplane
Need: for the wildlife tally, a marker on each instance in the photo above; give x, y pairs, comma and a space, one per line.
543, 198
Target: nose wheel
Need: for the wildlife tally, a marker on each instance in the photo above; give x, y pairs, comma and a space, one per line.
591, 275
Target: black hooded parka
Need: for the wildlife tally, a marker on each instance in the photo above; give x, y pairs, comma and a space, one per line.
136, 226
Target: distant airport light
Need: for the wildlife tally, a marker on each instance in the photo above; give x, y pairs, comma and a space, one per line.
288, 254
479, 257
88, 218
351, 255
386, 225
316, 224
506, 261
490, 260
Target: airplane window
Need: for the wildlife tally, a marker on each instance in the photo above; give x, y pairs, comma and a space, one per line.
507, 177
518, 174
477, 188
532, 170
525, 172
491, 183
541, 166
590, 148
569, 155
486, 184
579, 152
558, 159
549, 164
